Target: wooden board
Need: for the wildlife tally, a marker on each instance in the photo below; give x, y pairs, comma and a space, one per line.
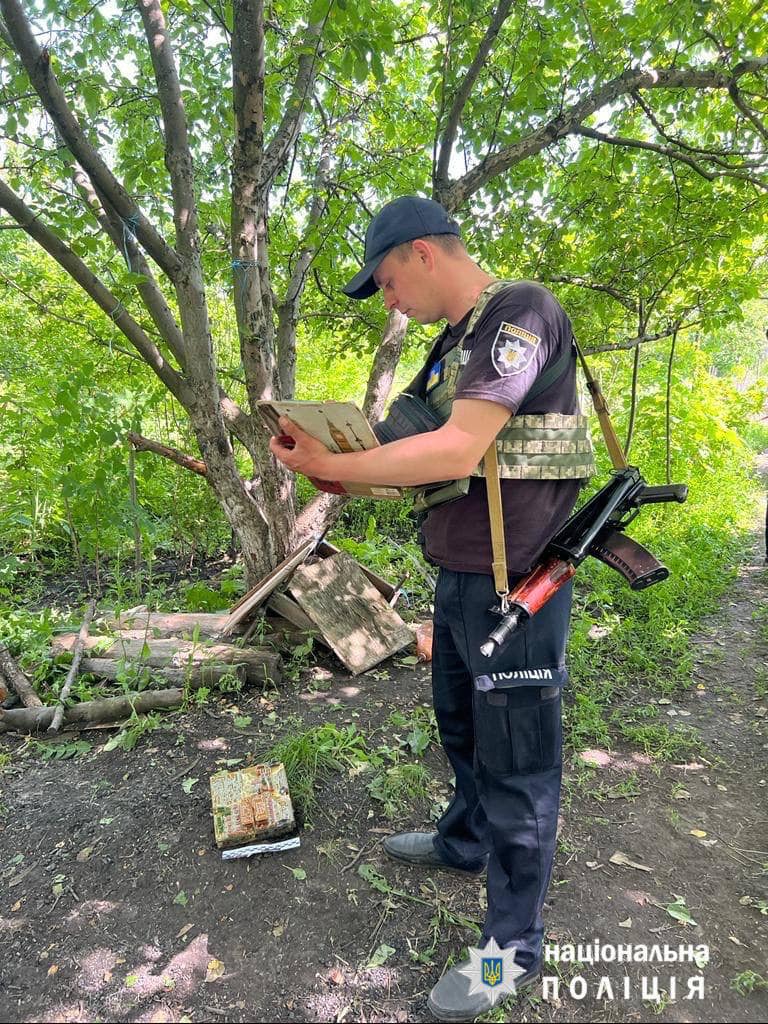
287, 607
259, 594
324, 548
286, 618
350, 613
259, 664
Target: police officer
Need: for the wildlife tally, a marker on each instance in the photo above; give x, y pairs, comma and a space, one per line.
502, 369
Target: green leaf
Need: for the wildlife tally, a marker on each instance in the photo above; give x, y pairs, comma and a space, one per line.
318, 11
298, 873
372, 876
181, 898
381, 955
679, 911
188, 783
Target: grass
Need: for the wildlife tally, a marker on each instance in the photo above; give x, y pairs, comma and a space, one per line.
624, 643
397, 787
663, 742
393, 779
311, 756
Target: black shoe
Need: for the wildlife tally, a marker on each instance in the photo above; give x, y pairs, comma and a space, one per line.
419, 848
450, 1000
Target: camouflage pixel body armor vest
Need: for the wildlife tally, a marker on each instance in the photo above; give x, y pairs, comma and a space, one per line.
539, 446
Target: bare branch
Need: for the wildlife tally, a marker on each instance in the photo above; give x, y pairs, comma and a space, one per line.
190, 286
631, 343
37, 65
178, 158
100, 294
384, 365
738, 98
145, 444
288, 310
237, 421
568, 120
717, 156
668, 410
219, 18
440, 176
583, 282
253, 298
125, 242
668, 151
641, 322
288, 130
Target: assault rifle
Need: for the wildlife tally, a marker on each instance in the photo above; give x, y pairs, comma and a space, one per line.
597, 529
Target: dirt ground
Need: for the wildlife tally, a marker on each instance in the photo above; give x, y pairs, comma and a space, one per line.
115, 904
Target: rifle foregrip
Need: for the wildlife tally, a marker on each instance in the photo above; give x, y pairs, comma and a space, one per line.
635, 563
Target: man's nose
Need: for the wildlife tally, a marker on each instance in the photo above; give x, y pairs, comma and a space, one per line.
389, 300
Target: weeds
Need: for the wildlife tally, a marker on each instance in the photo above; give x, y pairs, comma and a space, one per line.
312, 755
398, 786
747, 982
300, 658
442, 916
421, 726
57, 751
138, 726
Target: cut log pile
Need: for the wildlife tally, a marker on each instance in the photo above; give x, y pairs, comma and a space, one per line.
317, 589
179, 650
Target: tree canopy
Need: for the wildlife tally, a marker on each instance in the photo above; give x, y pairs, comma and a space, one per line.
205, 171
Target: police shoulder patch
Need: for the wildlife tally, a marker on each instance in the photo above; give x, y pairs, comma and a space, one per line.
513, 349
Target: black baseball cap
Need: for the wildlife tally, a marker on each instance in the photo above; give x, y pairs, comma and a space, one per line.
400, 221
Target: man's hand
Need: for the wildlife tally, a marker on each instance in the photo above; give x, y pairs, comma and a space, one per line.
305, 455
450, 452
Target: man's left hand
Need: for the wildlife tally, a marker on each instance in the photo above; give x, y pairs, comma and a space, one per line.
306, 455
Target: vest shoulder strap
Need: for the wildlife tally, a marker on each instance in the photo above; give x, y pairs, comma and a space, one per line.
483, 299
549, 376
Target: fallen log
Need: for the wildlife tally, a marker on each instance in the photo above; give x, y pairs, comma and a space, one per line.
193, 676
260, 665
82, 636
17, 680
109, 709
138, 623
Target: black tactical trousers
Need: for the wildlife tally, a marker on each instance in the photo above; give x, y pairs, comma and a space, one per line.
505, 747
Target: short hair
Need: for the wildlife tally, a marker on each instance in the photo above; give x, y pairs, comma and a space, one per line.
448, 243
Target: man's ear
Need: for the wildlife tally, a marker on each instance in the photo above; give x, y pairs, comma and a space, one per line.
423, 252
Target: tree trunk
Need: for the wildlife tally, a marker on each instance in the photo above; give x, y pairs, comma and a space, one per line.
324, 508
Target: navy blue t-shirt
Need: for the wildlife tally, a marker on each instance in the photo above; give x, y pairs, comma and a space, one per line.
521, 331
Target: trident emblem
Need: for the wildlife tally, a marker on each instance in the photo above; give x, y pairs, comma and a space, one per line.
492, 970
